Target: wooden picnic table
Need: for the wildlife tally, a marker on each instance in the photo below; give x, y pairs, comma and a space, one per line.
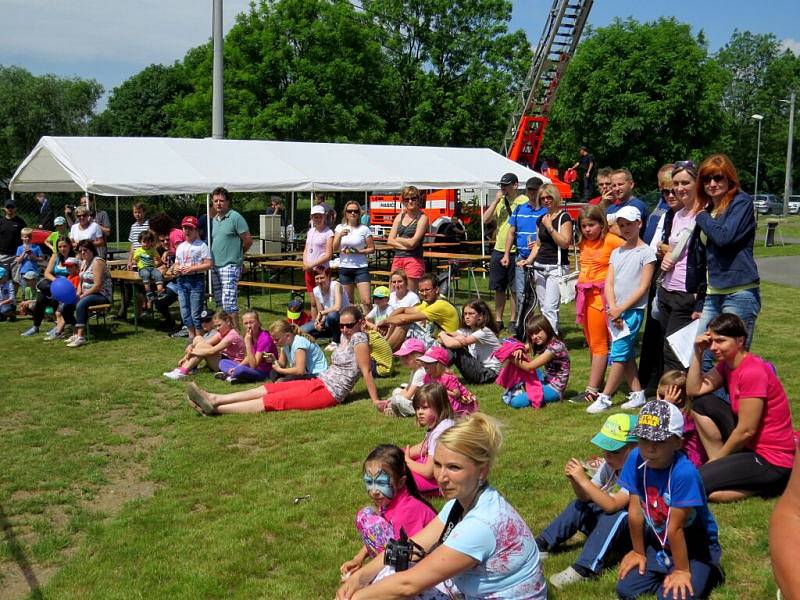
453, 259
456, 257
125, 277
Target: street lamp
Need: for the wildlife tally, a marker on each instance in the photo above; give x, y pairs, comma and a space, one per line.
758, 118
787, 186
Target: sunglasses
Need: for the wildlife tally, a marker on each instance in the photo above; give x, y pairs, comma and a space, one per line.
425, 291
411, 199
546, 197
715, 178
667, 193
351, 211
347, 325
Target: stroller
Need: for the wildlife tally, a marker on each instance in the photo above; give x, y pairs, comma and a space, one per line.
530, 302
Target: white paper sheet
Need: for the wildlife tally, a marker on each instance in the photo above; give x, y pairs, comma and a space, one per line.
617, 333
682, 342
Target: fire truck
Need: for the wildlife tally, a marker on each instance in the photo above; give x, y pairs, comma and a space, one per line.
523, 139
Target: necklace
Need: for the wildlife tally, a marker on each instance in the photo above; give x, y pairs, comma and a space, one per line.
661, 556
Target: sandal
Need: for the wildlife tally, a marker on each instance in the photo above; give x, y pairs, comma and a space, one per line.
198, 397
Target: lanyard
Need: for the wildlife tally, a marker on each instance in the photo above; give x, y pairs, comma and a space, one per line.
661, 541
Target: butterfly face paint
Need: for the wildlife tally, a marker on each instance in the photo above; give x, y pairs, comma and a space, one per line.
380, 482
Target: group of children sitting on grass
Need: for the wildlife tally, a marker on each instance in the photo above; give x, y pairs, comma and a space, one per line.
643, 503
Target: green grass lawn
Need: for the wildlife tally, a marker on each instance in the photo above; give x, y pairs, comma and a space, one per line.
112, 487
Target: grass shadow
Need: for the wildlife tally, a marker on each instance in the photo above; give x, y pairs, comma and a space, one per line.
17, 552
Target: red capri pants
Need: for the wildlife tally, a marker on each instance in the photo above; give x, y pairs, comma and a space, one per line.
595, 327
300, 394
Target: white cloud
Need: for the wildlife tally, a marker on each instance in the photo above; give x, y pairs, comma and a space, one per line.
136, 31
791, 44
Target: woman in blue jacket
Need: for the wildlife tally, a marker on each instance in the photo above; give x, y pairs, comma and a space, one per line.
727, 230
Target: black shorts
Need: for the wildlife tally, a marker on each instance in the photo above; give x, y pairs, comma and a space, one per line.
500, 277
744, 470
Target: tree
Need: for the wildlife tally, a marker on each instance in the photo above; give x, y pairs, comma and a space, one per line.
32, 106
456, 68
136, 108
760, 74
638, 95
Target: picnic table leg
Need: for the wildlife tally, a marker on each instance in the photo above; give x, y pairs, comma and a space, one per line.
474, 281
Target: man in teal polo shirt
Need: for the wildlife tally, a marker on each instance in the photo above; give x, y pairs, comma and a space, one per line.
230, 239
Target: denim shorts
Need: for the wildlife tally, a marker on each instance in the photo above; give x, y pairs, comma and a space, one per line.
351, 276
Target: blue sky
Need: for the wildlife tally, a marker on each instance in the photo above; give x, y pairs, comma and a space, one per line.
109, 40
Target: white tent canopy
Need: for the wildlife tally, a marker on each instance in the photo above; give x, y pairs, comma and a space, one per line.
121, 166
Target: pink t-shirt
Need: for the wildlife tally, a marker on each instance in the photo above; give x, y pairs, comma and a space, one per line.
692, 444
675, 279
465, 403
176, 237
265, 344
315, 244
756, 378
409, 513
235, 348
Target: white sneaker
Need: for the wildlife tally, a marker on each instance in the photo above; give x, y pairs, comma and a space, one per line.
175, 374
78, 341
71, 339
603, 403
566, 577
635, 400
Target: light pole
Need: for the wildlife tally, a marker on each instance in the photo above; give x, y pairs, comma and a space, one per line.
787, 186
758, 118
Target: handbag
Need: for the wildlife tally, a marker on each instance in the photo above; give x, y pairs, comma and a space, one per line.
568, 281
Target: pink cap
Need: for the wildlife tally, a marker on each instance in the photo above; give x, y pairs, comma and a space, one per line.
409, 346
436, 354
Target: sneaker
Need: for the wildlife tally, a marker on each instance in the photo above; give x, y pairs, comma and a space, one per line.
566, 577
53, 334
72, 338
584, 397
183, 332
220, 375
231, 379
33, 330
544, 554
601, 404
635, 400
149, 296
175, 374
161, 295
78, 341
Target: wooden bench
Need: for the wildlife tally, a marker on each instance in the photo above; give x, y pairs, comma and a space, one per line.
96, 311
283, 287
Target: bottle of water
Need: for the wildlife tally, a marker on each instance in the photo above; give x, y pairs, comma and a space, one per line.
290, 232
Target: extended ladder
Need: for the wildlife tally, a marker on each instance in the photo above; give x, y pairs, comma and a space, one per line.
562, 32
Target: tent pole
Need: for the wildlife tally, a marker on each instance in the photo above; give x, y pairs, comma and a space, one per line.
292, 220
208, 236
116, 211
480, 214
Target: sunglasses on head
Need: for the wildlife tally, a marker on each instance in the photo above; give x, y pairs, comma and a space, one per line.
715, 178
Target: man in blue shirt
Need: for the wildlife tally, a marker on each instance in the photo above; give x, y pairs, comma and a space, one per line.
622, 185
522, 232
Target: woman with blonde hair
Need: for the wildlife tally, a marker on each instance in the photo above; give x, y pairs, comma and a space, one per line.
478, 542
299, 356
353, 242
550, 255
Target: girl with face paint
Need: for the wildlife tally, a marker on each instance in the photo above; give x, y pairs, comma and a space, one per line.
397, 504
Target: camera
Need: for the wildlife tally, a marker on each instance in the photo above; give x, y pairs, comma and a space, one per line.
401, 553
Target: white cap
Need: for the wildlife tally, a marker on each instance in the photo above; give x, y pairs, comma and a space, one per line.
629, 213
318, 210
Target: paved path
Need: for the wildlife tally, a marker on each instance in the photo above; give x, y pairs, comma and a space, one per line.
780, 269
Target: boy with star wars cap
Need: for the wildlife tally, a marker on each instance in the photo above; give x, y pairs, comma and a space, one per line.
599, 508
676, 551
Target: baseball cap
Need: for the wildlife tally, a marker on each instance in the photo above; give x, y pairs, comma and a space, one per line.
509, 179
71, 260
206, 316
534, 183
30, 275
658, 421
616, 432
59, 221
629, 213
189, 221
409, 346
435, 354
4, 273
318, 209
11, 204
380, 292
294, 308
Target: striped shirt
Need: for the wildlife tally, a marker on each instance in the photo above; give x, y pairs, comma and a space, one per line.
136, 231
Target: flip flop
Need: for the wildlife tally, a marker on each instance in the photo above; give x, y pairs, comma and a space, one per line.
196, 396
196, 408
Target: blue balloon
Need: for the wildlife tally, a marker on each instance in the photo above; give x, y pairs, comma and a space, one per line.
62, 290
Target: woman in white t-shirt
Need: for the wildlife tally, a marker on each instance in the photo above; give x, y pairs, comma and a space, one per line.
353, 242
85, 229
472, 346
401, 296
478, 540
330, 297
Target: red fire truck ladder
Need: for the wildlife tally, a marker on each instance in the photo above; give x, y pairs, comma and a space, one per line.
560, 37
